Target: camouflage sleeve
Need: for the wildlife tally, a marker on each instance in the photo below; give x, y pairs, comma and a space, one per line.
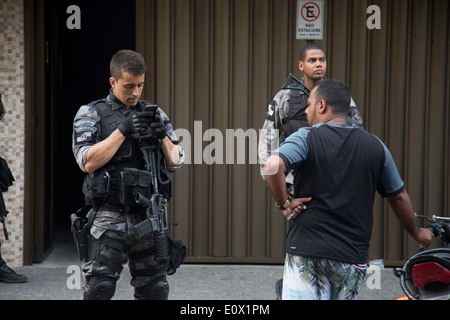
354, 114
86, 133
269, 139
173, 137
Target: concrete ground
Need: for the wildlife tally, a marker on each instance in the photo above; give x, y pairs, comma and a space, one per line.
59, 278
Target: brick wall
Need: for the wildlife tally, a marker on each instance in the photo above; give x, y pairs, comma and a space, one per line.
12, 127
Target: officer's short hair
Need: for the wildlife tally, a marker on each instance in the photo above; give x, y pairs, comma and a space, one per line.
306, 48
335, 93
127, 61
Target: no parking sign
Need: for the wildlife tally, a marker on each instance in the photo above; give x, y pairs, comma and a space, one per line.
309, 19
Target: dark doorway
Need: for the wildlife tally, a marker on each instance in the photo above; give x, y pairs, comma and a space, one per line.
77, 72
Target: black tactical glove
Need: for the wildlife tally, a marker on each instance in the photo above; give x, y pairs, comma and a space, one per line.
158, 128
136, 123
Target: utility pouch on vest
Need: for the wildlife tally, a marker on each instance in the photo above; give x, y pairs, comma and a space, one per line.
96, 186
112, 186
133, 182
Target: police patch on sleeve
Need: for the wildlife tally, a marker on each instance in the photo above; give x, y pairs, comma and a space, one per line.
85, 137
270, 110
85, 130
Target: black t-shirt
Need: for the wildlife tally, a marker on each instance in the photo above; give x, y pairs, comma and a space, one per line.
341, 168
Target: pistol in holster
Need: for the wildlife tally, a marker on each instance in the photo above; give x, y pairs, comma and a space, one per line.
80, 226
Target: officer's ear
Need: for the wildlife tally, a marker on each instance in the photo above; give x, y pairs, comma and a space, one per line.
301, 66
113, 82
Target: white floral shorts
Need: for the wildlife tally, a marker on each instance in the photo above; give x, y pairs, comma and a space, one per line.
308, 278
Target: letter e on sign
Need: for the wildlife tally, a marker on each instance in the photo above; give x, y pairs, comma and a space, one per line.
309, 19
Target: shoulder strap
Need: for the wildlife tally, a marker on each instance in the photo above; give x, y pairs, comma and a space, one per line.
106, 114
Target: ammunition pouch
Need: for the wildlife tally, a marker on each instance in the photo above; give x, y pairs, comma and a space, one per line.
120, 187
134, 182
177, 253
101, 186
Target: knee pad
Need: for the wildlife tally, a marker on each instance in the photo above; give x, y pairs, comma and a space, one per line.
157, 289
99, 288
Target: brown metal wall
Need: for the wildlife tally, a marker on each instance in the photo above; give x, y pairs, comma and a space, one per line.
221, 62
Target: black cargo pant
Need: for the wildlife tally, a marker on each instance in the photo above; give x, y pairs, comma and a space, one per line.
113, 249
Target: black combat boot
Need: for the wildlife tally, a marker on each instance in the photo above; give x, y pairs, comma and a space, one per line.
10, 276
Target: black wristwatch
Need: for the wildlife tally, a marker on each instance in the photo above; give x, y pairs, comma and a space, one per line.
286, 205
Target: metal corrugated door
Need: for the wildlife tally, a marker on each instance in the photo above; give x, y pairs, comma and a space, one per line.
217, 64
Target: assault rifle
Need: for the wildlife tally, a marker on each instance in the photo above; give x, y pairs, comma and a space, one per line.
300, 86
157, 220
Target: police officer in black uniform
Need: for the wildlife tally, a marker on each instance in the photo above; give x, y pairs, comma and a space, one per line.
7, 275
106, 146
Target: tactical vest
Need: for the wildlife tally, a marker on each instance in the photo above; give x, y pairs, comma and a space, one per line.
125, 174
128, 154
296, 117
